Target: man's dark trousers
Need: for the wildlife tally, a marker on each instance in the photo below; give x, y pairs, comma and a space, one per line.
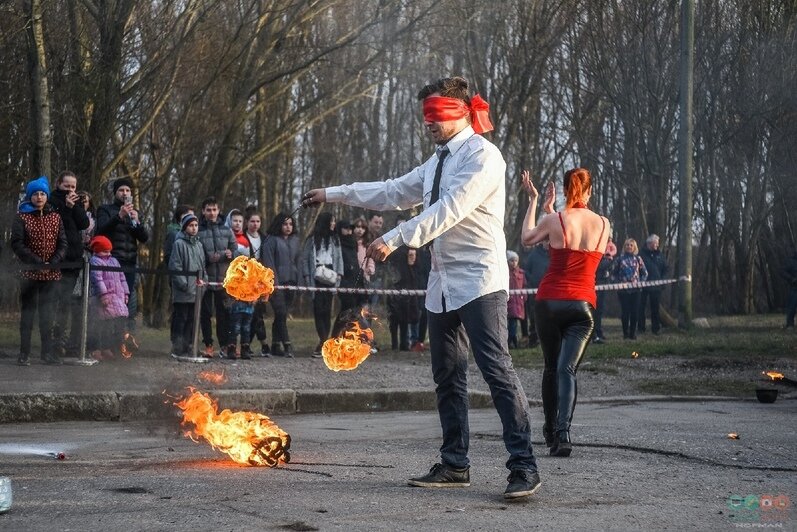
214, 301
655, 320
484, 321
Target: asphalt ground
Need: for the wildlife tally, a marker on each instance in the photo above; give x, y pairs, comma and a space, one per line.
635, 466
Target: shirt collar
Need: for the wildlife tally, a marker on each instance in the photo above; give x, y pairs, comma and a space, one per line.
456, 142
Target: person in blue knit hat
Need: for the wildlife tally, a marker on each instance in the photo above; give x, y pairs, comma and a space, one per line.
37, 237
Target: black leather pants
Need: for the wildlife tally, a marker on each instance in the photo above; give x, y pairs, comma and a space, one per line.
564, 328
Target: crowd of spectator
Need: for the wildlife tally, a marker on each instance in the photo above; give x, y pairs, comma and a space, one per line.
63, 226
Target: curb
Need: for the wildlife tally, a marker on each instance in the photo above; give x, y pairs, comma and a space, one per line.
138, 406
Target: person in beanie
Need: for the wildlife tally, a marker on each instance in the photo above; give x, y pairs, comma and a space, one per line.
109, 295
187, 255
69, 205
38, 237
119, 221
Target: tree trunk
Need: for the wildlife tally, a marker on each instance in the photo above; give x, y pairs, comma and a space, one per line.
41, 141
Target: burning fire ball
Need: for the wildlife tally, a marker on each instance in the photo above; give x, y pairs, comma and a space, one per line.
351, 340
248, 280
774, 376
248, 438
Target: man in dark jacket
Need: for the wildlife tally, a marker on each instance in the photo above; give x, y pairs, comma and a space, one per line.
656, 265
603, 276
69, 206
535, 266
790, 274
219, 243
119, 222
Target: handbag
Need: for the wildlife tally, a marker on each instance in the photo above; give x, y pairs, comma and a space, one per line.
325, 275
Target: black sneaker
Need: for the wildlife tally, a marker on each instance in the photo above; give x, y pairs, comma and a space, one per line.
265, 351
443, 476
317, 351
521, 484
51, 360
246, 353
23, 360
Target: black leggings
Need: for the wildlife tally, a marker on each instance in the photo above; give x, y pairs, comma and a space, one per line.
564, 328
322, 314
281, 303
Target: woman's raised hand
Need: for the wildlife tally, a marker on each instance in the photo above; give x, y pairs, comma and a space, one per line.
528, 186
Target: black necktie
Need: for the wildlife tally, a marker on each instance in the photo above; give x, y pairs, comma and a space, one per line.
438, 172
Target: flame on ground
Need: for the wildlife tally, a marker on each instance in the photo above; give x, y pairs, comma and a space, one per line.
350, 350
248, 438
773, 375
213, 377
128, 340
248, 280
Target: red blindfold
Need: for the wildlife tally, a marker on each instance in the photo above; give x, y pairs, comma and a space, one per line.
442, 109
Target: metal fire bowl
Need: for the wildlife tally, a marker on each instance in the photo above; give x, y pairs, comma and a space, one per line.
766, 395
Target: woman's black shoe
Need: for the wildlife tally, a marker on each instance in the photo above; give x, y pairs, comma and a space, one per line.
548, 434
562, 446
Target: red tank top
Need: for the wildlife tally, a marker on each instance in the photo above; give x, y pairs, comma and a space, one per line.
571, 272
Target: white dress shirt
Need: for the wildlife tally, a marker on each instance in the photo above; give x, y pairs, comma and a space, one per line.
466, 223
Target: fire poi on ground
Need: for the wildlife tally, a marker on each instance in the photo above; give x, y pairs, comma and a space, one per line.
248, 438
351, 341
248, 280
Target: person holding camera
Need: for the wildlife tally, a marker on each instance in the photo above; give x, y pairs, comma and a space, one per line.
70, 207
119, 221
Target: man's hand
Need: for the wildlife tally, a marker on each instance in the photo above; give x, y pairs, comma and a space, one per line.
125, 210
378, 250
228, 253
314, 198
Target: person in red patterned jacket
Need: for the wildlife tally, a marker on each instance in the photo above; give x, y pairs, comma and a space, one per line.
38, 237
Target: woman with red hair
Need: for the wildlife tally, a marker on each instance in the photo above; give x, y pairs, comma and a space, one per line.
566, 296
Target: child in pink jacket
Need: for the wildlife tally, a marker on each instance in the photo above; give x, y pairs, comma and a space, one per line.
109, 293
516, 305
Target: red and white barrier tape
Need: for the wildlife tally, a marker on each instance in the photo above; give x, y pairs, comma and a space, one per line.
395, 292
